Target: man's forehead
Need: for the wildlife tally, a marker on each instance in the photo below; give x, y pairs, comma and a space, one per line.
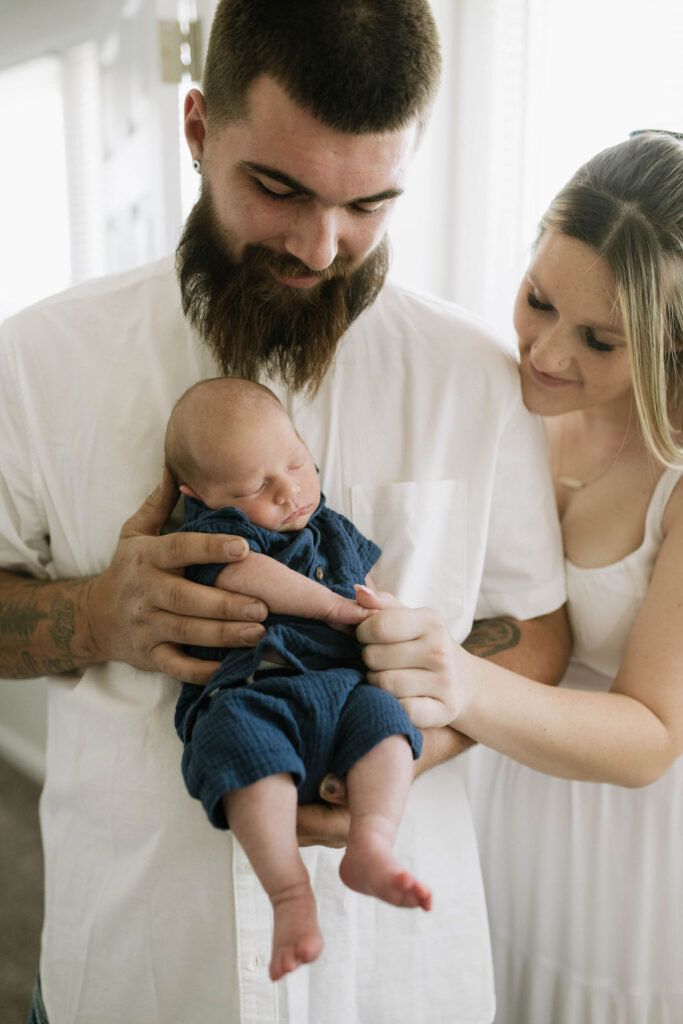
279, 134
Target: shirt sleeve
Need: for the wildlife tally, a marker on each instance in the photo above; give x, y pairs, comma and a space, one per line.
365, 550
24, 531
523, 573
199, 519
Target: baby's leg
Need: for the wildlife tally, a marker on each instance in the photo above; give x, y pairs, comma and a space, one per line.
377, 786
263, 818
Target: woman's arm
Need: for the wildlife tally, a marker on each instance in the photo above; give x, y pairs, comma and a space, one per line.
288, 592
629, 736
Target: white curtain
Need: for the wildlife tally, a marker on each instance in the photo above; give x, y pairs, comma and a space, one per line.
531, 89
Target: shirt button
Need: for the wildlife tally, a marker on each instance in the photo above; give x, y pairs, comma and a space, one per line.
319, 573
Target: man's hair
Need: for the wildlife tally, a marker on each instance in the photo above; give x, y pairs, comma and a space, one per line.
627, 204
357, 65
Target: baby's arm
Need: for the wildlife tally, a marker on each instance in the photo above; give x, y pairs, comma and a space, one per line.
288, 592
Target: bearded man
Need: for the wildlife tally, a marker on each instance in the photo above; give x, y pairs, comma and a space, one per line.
303, 133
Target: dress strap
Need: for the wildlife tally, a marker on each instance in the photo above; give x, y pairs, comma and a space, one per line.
660, 497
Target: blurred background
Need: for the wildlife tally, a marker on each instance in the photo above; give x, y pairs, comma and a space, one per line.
95, 176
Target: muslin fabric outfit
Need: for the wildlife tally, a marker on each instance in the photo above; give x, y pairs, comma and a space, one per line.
584, 881
312, 715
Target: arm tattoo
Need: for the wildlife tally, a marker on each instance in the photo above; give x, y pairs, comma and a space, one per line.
491, 636
63, 624
20, 619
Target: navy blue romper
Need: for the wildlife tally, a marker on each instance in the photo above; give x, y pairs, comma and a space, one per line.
310, 717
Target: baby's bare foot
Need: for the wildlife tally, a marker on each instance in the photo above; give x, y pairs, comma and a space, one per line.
369, 866
296, 936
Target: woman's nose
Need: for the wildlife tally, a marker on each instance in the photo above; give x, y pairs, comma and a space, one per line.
551, 351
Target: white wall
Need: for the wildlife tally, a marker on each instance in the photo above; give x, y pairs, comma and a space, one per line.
30, 28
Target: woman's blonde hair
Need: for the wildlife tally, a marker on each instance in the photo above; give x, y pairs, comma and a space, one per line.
627, 204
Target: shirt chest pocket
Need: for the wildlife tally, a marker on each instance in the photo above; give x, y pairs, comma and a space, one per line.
421, 528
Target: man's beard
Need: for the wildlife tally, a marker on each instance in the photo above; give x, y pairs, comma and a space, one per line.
252, 323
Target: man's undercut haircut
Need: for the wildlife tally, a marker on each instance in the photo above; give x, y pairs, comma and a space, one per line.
357, 65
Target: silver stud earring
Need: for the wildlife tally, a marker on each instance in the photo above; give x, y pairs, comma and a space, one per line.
197, 166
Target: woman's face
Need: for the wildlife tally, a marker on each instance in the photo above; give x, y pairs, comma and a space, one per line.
572, 348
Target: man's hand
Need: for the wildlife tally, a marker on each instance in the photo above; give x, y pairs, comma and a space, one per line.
322, 825
141, 608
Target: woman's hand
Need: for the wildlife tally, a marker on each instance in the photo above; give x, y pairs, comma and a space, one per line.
410, 654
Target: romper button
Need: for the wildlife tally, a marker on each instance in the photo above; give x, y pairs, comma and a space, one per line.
319, 574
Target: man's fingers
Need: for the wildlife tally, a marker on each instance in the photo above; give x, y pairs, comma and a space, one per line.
184, 597
181, 629
320, 825
178, 550
154, 511
178, 665
333, 790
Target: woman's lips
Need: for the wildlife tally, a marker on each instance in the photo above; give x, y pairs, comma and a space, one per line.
547, 379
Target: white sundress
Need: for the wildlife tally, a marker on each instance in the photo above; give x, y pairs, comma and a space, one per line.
584, 881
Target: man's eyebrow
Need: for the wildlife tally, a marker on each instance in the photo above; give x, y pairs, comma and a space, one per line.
284, 179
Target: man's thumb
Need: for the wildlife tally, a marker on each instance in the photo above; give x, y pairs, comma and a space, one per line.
155, 509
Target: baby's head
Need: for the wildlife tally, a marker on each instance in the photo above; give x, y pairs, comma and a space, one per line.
230, 442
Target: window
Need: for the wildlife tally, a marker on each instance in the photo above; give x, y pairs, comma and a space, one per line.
33, 186
531, 89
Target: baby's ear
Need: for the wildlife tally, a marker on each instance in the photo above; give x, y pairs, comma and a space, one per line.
185, 489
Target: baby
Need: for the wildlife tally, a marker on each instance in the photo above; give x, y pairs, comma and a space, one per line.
274, 720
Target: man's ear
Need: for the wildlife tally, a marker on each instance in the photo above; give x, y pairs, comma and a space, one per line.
195, 123
185, 489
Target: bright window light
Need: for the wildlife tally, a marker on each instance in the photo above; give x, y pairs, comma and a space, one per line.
35, 259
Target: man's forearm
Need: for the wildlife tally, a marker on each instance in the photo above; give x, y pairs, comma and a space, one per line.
536, 648
440, 745
43, 627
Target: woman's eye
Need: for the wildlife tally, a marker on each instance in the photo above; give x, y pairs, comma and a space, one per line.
537, 304
599, 346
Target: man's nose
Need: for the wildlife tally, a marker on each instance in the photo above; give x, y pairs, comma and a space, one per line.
314, 238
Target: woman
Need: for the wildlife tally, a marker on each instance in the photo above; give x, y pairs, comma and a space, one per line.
585, 880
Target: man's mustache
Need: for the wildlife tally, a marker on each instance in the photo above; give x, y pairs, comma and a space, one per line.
259, 257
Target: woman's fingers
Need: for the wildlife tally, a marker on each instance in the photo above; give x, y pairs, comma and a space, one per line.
406, 682
396, 625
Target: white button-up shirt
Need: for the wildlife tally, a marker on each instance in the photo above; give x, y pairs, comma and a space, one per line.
151, 915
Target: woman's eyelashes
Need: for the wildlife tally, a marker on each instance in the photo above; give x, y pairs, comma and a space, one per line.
599, 346
536, 303
591, 340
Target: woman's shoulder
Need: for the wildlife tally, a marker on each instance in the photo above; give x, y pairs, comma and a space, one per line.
673, 511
